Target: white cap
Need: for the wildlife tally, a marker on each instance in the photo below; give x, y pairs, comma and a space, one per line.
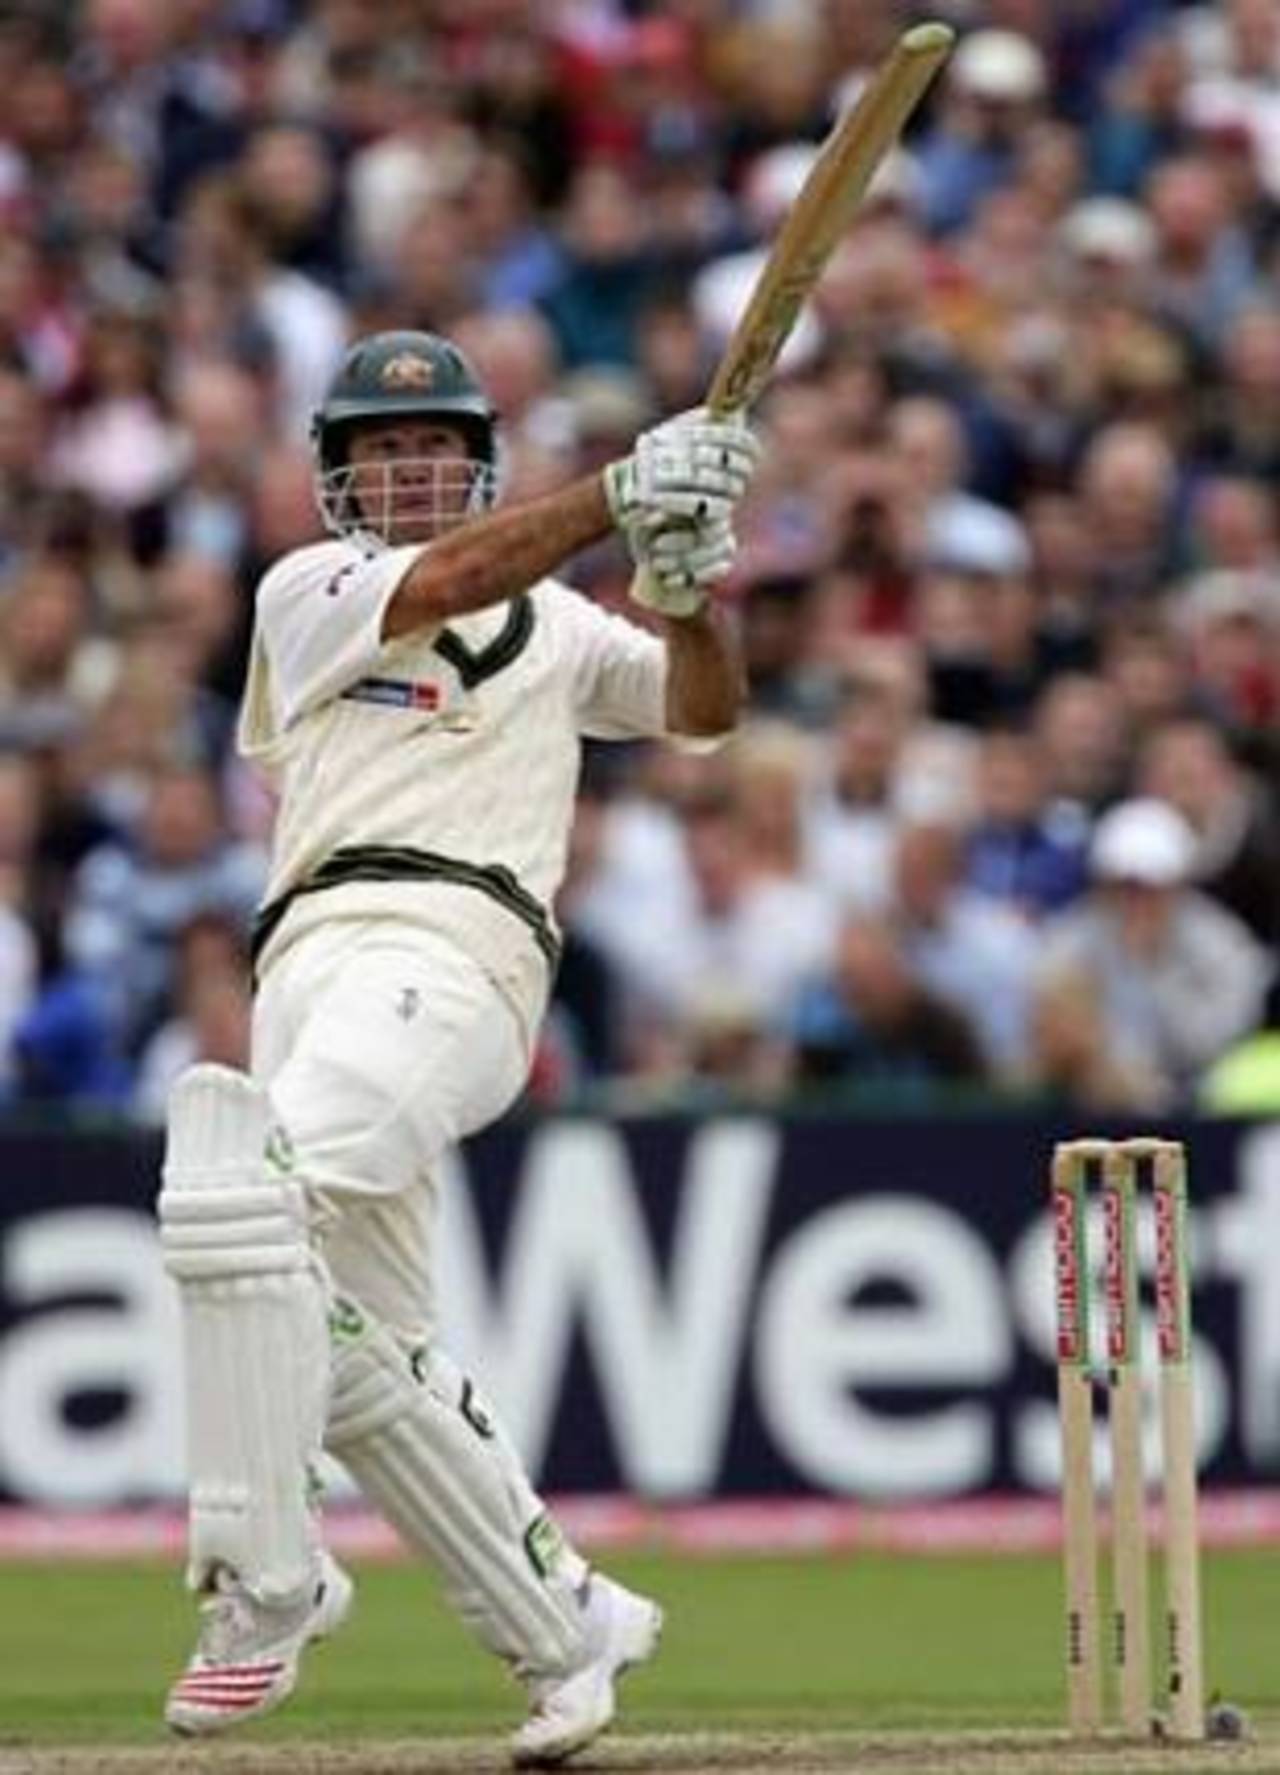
998, 65
1229, 594
969, 535
1142, 840
607, 401
1109, 228
721, 292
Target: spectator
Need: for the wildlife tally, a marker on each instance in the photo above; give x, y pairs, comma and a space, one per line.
223, 243
595, 304
673, 352
972, 953
995, 88
1204, 274
730, 1054
778, 77
1141, 121
290, 181
211, 1012
118, 443
434, 281
1232, 625
23, 424
1240, 430
1233, 818
1109, 248
757, 933
957, 529
855, 815
1179, 977
519, 259
422, 151
782, 678
787, 522
1019, 852
218, 408
514, 353
989, 655
131, 901
1147, 662
65, 1049
52, 669
40, 327
871, 1022
1129, 482
1075, 1064
167, 111
1063, 563
1234, 526
770, 772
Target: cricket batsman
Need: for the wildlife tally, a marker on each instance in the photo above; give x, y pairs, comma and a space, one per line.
418, 689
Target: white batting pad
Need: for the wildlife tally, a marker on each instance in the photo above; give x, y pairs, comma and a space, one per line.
426, 1451
234, 1229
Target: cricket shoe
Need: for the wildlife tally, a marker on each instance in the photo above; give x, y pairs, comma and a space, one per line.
247, 1654
570, 1711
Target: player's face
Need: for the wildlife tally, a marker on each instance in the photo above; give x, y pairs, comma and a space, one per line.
412, 478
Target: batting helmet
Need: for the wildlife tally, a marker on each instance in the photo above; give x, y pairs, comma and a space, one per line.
399, 374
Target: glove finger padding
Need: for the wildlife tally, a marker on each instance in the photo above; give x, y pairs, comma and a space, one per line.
698, 557
680, 563
727, 430
712, 470
693, 466
636, 500
666, 597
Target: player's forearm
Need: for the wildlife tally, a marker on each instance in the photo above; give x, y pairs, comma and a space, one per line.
498, 556
705, 680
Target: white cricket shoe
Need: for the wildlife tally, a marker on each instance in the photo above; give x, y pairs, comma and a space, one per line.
247, 1654
570, 1711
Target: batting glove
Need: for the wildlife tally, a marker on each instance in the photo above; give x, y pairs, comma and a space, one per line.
691, 467
679, 564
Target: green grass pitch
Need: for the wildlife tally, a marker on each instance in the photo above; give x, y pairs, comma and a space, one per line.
817, 1643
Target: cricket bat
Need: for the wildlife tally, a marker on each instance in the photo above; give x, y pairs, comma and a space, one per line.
823, 211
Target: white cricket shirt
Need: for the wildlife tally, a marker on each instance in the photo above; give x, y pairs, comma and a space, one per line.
460, 741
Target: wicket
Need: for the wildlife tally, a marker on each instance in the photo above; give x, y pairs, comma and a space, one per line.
1119, 1166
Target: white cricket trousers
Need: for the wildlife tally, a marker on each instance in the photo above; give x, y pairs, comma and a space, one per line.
382, 1045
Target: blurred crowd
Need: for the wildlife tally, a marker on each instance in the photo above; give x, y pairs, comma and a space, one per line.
1005, 815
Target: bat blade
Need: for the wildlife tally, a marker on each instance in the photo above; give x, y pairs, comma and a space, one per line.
823, 211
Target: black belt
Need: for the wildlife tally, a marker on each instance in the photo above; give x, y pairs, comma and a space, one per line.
393, 862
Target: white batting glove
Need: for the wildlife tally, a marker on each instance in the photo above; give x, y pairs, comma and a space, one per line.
691, 467
680, 563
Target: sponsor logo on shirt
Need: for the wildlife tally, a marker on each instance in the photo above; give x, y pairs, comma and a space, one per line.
394, 693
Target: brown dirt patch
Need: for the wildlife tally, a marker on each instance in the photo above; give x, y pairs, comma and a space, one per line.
896, 1753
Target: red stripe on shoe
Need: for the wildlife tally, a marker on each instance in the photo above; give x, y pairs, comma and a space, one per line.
226, 1701
229, 1691
232, 1673
220, 1702
223, 1685
230, 1679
